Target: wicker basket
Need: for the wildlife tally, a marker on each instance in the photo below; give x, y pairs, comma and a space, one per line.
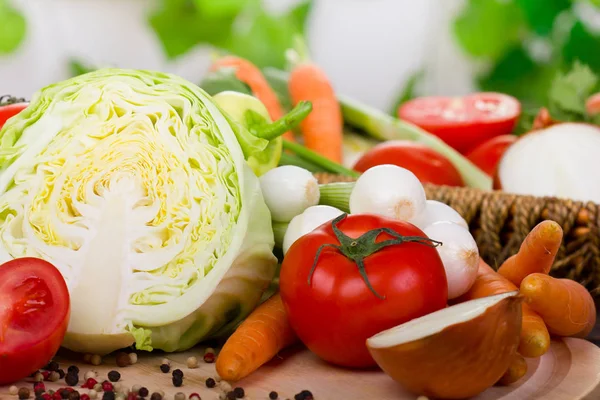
500, 221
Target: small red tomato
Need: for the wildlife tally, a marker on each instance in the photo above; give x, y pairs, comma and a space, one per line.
428, 165
338, 291
487, 155
34, 314
592, 105
10, 110
464, 122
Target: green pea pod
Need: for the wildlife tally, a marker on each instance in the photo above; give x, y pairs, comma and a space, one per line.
246, 112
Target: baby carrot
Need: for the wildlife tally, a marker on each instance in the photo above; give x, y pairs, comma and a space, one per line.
535, 339
566, 306
516, 371
536, 254
257, 340
322, 130
251, 75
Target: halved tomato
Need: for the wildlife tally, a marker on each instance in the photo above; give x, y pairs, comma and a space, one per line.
464, 122
34, 315
9, 109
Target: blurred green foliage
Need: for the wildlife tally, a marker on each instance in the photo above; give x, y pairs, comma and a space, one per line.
12, 28
526, 44
241, 27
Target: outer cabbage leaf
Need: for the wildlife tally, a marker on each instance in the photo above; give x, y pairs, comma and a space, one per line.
135, 186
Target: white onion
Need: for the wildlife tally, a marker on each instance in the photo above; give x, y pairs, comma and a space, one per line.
436, 211
288, 191
390, 191
562, 160
459, 254
309, 220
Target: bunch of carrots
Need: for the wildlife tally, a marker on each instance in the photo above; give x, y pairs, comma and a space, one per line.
552, 306
322, 130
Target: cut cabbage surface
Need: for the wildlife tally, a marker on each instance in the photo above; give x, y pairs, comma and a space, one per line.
134, 185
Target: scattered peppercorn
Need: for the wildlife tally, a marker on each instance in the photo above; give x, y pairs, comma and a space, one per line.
61, 373
195, 396
39, 387
107, 386
54, 376
209, 358
122, 359
89, 383
132, 396
23, 393
98, 387
71, 379
304, 395
114, 376
230, 395
177, 381
93, 394
179, 396
178, 372
13, 390
239, 392
133, 358
38, 377
52, 366
46, 375
156, 396
226, 387
108, 396
85, 397
90, 374
73, 368
165, 368
56, 396
95, 360
74, 396
210, 383
143, 392
46, 396
273, 395
192, 362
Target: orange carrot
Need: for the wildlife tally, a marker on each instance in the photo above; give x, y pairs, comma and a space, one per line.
257, 340
322, 130
535, 339
536, 254
516, 371
251, 75
566, 306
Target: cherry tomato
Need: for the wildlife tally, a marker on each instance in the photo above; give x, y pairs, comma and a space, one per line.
464, 122
427, 164
592, 105
488, 154
34, 315
10, 110
339, 309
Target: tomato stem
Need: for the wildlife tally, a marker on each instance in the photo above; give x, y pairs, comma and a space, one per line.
7, 100
360, 248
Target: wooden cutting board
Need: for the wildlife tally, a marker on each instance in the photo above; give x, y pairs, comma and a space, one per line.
570, 370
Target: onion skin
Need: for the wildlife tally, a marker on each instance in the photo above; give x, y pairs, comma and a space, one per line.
462, 360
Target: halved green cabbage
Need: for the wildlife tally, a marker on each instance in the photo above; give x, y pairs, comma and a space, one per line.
135, 186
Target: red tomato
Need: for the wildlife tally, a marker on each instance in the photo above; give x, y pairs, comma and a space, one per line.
336, 312
10, 110
592, 105
427, 164
488, 154
34, 314
464, 122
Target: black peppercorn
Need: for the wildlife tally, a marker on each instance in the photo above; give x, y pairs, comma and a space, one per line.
230, 395
74, 395
23, 393
114, 376
72, 379
273, 395
108, 396
122, 359
210, 383
239, 392
143, 392
64, 394
177, 380
52, 366
73, 368
307, 395
61, 373
178, 372
156, 396
165, 368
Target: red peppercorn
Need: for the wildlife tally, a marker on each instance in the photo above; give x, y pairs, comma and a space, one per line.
39, 386
132, 396
89, 383
195, 396
84, 397
107, 386
56, 396
209, 358
69, 389
46, 375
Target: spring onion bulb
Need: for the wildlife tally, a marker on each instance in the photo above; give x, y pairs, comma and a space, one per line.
390, 191
436, 211
459, 254
306, 222
288, 191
